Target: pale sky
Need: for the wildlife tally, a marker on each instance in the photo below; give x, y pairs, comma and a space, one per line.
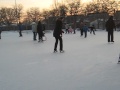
42, 4
27, 3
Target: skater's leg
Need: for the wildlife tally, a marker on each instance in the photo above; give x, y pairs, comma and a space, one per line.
112, 40
61, 43
56, 43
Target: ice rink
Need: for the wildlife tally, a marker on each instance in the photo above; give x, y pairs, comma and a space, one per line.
87, 63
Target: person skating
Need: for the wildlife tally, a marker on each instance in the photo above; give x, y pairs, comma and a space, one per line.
40, 31
92, 29
57, 33
20, 29
110, 25
85, 29
67, 28
81, 28
34, 29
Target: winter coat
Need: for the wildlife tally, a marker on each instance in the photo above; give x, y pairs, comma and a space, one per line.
81, 25
0, 29
85, 28
34, 27
66, 26
110, 25
20, 26
40, 29
58, 28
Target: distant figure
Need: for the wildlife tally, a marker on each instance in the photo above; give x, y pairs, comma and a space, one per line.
0, 31
110, 25
81, 28
57, 33
66, 28
20, 29
70, 29
92, 29
85, 29
74, 27
40, 31
34, 29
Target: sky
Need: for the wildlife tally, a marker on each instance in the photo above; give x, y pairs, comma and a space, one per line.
43, 4
87, 63
28, 3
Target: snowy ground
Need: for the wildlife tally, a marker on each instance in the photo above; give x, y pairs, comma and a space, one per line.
87, 64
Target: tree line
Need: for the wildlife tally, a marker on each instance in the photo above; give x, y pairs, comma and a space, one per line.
15, 14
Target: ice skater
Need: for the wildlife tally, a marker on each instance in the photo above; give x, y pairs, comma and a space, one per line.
57, 33
92, 29
34, 29
67, 28
110, 25
40, 31
20, 29
85, 29
81, 28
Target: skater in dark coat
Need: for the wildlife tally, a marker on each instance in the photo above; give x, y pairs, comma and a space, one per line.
110, 25
40, 31
81, 28
20, 29
57, 33
92, 29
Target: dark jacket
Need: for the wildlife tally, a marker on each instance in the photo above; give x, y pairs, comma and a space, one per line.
110, 25
85, 28
58, 28
39, 29
20, 26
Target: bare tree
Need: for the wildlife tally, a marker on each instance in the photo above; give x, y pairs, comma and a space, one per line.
33, 14
58, 8
62, 10
7, 15
45, 14
73, 6
18, 11
55, 8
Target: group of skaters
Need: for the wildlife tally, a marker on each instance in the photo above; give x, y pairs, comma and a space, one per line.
84, 28
38, 28
68, 28
110, 25
57, 33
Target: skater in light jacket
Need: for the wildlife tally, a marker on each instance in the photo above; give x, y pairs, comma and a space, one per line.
34, 29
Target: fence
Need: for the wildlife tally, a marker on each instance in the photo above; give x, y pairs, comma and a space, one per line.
14, 28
